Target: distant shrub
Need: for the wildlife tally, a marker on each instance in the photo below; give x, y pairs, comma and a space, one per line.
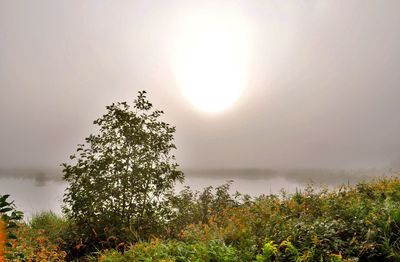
191, 207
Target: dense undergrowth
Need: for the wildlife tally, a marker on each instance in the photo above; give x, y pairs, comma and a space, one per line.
351, 223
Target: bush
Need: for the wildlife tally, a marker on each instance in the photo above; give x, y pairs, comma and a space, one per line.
120, 177
192, 207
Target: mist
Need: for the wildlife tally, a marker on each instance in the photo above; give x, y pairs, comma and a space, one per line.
323, 90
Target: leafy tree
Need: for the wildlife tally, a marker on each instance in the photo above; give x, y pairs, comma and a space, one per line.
120, 176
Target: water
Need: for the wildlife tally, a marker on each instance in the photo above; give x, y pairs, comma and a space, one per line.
33, 192
30, 197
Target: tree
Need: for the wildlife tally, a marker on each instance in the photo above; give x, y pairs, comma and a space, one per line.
120, 176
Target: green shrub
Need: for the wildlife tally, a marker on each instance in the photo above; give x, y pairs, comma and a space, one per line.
269, 251
192, 207
119, 178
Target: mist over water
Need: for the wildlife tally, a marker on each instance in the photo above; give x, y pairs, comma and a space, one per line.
35, 190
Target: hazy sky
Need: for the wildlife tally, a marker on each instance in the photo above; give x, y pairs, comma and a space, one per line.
323, 89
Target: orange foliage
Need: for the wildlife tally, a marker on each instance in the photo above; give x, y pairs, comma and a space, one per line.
35, 246
2, 239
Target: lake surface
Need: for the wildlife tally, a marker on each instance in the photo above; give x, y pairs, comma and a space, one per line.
37, 190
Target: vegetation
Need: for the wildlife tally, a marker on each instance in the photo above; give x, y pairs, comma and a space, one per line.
118, 183
9, 218
120, 206
359, 223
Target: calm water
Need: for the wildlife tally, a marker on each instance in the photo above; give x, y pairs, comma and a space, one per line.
44, 191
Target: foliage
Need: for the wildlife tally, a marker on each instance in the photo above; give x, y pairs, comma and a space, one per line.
37, 242
192, 207
34, 245
2, 240
350, 223
53, 226
9, 217
359, 223
174, 251
269, 250
118, 182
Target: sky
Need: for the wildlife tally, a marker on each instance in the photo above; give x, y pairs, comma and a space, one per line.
322, 87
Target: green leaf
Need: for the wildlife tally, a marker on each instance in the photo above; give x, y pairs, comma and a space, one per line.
4, 210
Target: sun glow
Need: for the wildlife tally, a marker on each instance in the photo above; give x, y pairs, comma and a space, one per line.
211, 59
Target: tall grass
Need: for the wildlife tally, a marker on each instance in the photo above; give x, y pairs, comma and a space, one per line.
52, 225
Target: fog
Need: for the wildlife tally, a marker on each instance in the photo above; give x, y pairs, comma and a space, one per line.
323, 92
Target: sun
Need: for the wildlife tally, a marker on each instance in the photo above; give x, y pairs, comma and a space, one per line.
211, 59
